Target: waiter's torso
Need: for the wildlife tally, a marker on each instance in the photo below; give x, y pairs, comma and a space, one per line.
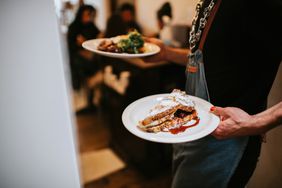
242, 53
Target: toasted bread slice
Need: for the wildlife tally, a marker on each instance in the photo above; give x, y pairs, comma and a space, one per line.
170, 123
158, 116
174, 110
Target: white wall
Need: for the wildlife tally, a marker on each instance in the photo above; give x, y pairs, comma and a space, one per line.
37, 140
183, 12
269, 169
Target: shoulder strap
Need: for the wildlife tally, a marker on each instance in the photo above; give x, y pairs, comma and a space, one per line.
209, 23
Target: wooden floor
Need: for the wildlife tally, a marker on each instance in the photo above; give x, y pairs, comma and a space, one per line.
93, 134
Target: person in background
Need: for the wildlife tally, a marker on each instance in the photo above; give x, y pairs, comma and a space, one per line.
127, 12
236, 122
115, 26
83, 62
241, 62
165, 10
164, 17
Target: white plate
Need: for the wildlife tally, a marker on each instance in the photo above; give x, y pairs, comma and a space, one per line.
92, 45
138, 110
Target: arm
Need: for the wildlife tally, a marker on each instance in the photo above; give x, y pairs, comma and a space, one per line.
235, 122
176, 55
270, 118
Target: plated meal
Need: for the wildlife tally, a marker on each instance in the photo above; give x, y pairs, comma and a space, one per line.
131, 45
170, 118
174, 113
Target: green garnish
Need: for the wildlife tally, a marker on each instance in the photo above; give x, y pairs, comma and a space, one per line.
132, 44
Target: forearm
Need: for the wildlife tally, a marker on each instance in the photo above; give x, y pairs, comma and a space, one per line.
170, 54
177, 55
270, 118
237, 122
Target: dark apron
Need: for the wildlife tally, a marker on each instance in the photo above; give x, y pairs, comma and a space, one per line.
195, 76
207, 162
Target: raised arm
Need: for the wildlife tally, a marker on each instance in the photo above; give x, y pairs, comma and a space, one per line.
176, 55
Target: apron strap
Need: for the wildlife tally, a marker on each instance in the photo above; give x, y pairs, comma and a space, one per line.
209, 23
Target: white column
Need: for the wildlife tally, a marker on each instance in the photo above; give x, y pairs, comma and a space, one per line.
37, 136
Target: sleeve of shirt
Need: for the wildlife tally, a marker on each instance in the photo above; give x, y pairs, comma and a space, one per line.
96, 31
71, 39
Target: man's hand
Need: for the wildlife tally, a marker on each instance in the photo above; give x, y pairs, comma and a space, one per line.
170, 54
161, 56
235, 122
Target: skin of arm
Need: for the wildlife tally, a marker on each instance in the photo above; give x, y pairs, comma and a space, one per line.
236, 122
176, 55
270, 118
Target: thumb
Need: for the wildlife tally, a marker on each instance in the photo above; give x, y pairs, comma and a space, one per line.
219, 111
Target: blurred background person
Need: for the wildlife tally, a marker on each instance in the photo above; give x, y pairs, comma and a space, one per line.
164, 17
165, 10
83, 63
127, 12
115, 26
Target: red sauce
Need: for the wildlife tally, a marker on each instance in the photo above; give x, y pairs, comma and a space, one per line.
183, 128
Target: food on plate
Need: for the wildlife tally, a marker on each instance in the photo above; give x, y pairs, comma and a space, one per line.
131, 43
171, 114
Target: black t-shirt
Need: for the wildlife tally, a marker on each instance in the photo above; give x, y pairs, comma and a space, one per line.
133, 25
242, 53
88, 31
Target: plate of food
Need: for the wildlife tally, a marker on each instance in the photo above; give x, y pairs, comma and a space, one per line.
170, 118
131, 45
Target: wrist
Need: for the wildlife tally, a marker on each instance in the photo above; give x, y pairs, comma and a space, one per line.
261, 123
